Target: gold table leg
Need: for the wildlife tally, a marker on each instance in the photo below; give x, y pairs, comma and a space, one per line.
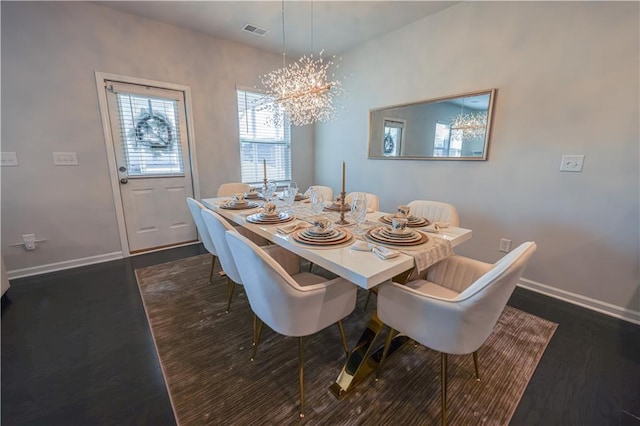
364, 358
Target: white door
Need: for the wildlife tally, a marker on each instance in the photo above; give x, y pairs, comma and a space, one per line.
149, 130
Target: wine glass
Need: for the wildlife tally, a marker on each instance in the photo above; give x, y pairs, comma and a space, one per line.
289, 194
359, 210
269, 190
317, 202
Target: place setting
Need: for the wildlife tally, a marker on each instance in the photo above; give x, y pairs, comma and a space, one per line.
238, 202
404, 212
322, 234
397, 234
269, 215
337, 206
253, 194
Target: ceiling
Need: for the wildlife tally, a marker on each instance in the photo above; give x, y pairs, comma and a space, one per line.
337, 25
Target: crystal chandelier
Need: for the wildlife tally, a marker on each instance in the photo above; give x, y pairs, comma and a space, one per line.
305, 89
472, 124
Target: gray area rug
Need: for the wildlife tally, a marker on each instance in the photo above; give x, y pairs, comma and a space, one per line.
205, 353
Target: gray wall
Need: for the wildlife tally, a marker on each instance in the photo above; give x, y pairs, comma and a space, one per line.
567, 80
50, 51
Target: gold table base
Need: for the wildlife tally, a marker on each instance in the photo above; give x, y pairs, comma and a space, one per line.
364, 358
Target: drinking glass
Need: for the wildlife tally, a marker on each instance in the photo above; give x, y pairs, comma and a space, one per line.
269, 190
289, 194
317, 202
359, 210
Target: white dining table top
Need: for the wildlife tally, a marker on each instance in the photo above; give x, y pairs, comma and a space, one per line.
363, 268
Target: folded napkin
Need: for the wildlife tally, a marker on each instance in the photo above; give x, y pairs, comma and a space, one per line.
382, 252
361, 246
287, 229
223, 201
434, 228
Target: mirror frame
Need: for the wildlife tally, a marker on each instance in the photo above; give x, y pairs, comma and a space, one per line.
490, 92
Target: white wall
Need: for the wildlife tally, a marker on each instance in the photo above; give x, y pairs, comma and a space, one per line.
567, 80
50, 51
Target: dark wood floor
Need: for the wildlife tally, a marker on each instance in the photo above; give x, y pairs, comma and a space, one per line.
77, 350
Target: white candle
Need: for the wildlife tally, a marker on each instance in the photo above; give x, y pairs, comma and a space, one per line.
264, 168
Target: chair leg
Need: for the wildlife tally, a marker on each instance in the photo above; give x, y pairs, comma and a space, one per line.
301, 373
443, 385
255, 325
213, 264
310, 266
231, 285
475, 365
257, 331
345, 344
385, 351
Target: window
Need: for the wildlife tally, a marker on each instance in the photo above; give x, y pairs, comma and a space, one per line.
447, 142
150, 137
261, 140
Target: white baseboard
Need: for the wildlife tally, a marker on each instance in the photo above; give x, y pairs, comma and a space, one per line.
67, 264
583, 301
566, 296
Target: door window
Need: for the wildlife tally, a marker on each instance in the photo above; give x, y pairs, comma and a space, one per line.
150, 135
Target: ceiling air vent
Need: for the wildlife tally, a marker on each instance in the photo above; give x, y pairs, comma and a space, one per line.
254, 29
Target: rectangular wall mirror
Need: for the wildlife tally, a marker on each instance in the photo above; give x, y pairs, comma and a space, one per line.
450, 128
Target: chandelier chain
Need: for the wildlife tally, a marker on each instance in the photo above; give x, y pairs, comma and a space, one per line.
284, 49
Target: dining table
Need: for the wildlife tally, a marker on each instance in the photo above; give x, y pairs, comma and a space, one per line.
361, 267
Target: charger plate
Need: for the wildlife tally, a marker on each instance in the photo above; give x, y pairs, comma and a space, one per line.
334, 238
412, 221
233, 205
270, 219
381, 235
334, 207
253, 196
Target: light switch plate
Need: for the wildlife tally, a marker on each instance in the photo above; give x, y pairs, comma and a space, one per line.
571, 163
65, 159
9, 159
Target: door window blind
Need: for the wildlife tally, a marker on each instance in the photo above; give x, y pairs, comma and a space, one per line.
261, 140
150, 133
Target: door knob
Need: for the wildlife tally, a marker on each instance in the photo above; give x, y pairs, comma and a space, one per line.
124, 181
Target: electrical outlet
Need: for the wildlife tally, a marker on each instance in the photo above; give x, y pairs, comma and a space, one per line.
9, 159
571, 163
29, 241
505, 245
65, 159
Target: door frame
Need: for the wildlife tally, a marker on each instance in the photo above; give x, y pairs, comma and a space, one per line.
110, 147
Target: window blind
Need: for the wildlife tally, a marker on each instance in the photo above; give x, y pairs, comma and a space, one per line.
261, 140
150, 131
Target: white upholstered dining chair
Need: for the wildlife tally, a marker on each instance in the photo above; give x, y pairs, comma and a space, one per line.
295, 304
217, 226
228, 189
195, 207
327, 192
435, 211
373, 202
454, 308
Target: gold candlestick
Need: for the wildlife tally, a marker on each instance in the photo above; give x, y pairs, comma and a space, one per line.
343, 195
264, 171
342, 220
